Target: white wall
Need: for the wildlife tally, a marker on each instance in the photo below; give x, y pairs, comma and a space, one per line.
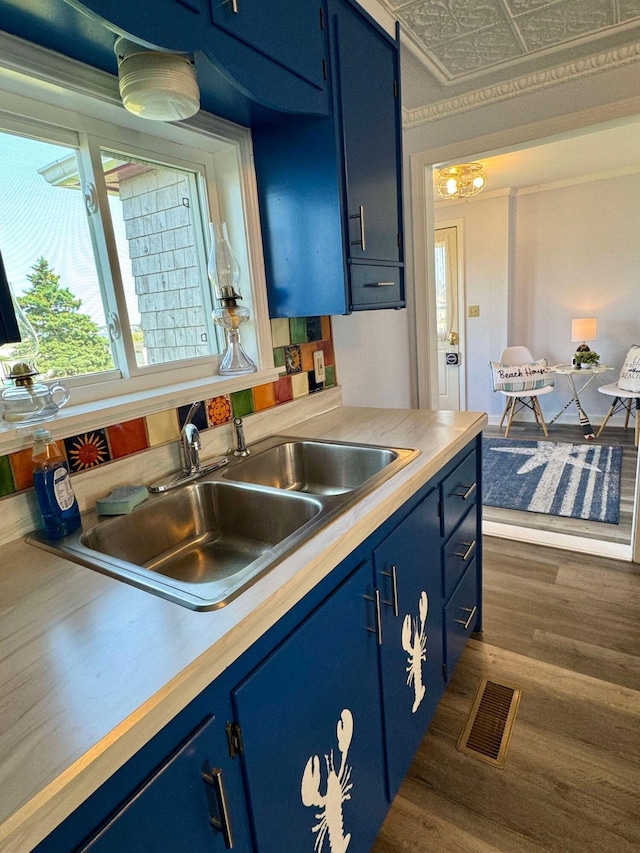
372, 358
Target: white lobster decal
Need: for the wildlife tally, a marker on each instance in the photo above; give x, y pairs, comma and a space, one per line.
331, 821
414, 642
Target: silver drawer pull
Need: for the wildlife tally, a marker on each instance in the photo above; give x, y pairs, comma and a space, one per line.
471, 613
467, 494
471, 547
380, 284
393, 574
223, 823
378, 629
362, 242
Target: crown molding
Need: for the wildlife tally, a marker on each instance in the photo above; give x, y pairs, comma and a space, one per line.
568, 73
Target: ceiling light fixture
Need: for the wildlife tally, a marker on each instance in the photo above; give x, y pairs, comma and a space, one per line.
154, 85
460, 181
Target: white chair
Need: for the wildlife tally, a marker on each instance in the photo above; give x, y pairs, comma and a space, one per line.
621, 400
517, 400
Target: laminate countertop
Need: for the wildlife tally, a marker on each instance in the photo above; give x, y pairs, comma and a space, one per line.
91, 668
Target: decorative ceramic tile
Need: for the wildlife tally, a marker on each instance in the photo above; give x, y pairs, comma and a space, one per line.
199, 418
278, 357
293, 359
326, 328
298, 330
283, 390
329, 376
313, 385
162, 427
242, 403
264, 397
306, 352
300, 385
280, 333
218, 410
22, 469
128, 437
87, 450
314, 328
327, 349
7, 486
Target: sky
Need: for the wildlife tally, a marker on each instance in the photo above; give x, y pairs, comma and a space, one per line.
37, 219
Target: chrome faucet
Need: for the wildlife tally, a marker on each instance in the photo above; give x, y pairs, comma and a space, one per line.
241, 444
190, 442
190, 451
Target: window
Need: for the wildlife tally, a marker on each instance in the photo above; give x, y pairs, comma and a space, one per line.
105, 238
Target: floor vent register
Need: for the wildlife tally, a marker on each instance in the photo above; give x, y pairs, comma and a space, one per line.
488, 728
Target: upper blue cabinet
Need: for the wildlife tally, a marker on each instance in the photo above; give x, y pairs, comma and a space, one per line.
275, 53
330, 189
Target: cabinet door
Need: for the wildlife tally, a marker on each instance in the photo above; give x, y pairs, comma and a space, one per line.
407, 567
369, 103
461, 616
312, 731
289, 34
178, 806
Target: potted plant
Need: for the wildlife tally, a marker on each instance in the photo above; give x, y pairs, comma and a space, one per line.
588, 358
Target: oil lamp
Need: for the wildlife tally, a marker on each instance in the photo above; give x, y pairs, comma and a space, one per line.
224, 274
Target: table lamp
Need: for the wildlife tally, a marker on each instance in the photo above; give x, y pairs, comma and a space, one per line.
584, 330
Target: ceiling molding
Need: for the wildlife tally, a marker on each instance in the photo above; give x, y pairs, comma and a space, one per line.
613, 59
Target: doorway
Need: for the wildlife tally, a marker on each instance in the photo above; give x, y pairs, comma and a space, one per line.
448, 282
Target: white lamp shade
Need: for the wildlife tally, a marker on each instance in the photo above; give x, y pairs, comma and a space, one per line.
585, 329
156, 86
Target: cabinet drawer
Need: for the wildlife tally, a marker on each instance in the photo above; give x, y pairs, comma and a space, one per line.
460, 616
458, 493
374, 286
459, 552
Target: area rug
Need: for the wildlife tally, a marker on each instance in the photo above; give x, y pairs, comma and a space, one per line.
553, 477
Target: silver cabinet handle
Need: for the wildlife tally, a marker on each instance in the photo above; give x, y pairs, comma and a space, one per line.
471, 613
470, 546
378, 629
380, 284
467, 494
393, 574
223, 823
234, 6
362, 242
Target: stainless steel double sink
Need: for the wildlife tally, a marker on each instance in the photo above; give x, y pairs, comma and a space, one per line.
202, 543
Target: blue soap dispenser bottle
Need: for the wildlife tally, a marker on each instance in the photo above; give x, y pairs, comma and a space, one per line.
56, 499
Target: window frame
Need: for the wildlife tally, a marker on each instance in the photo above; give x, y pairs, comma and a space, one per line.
64, 100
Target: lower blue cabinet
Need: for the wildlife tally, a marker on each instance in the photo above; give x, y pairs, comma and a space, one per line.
193, 801
312, 731
407, 567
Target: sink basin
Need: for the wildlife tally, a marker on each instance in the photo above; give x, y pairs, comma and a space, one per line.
198, 545
315, 467
202, 543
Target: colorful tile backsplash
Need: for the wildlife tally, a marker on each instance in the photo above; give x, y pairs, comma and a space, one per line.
294, 342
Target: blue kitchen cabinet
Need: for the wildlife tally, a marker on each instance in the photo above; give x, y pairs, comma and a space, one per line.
312, 731
330, 189
461, 531
274, 53
180, 792
407, 574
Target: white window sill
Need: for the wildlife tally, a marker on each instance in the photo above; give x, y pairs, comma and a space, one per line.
88, 416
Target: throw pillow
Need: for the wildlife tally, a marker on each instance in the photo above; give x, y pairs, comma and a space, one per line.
521, 377
630, 374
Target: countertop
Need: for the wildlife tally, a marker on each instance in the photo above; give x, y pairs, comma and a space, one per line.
91, 669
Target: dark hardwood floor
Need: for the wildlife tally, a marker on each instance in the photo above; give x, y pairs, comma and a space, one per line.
566, 628
619, 533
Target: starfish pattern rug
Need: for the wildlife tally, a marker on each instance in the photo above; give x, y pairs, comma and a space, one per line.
553, 477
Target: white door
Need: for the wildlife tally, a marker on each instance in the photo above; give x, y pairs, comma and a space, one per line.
447, 318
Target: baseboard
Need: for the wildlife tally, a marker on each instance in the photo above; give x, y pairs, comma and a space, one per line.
596, 547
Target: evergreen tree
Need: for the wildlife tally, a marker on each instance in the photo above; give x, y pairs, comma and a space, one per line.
70, 341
